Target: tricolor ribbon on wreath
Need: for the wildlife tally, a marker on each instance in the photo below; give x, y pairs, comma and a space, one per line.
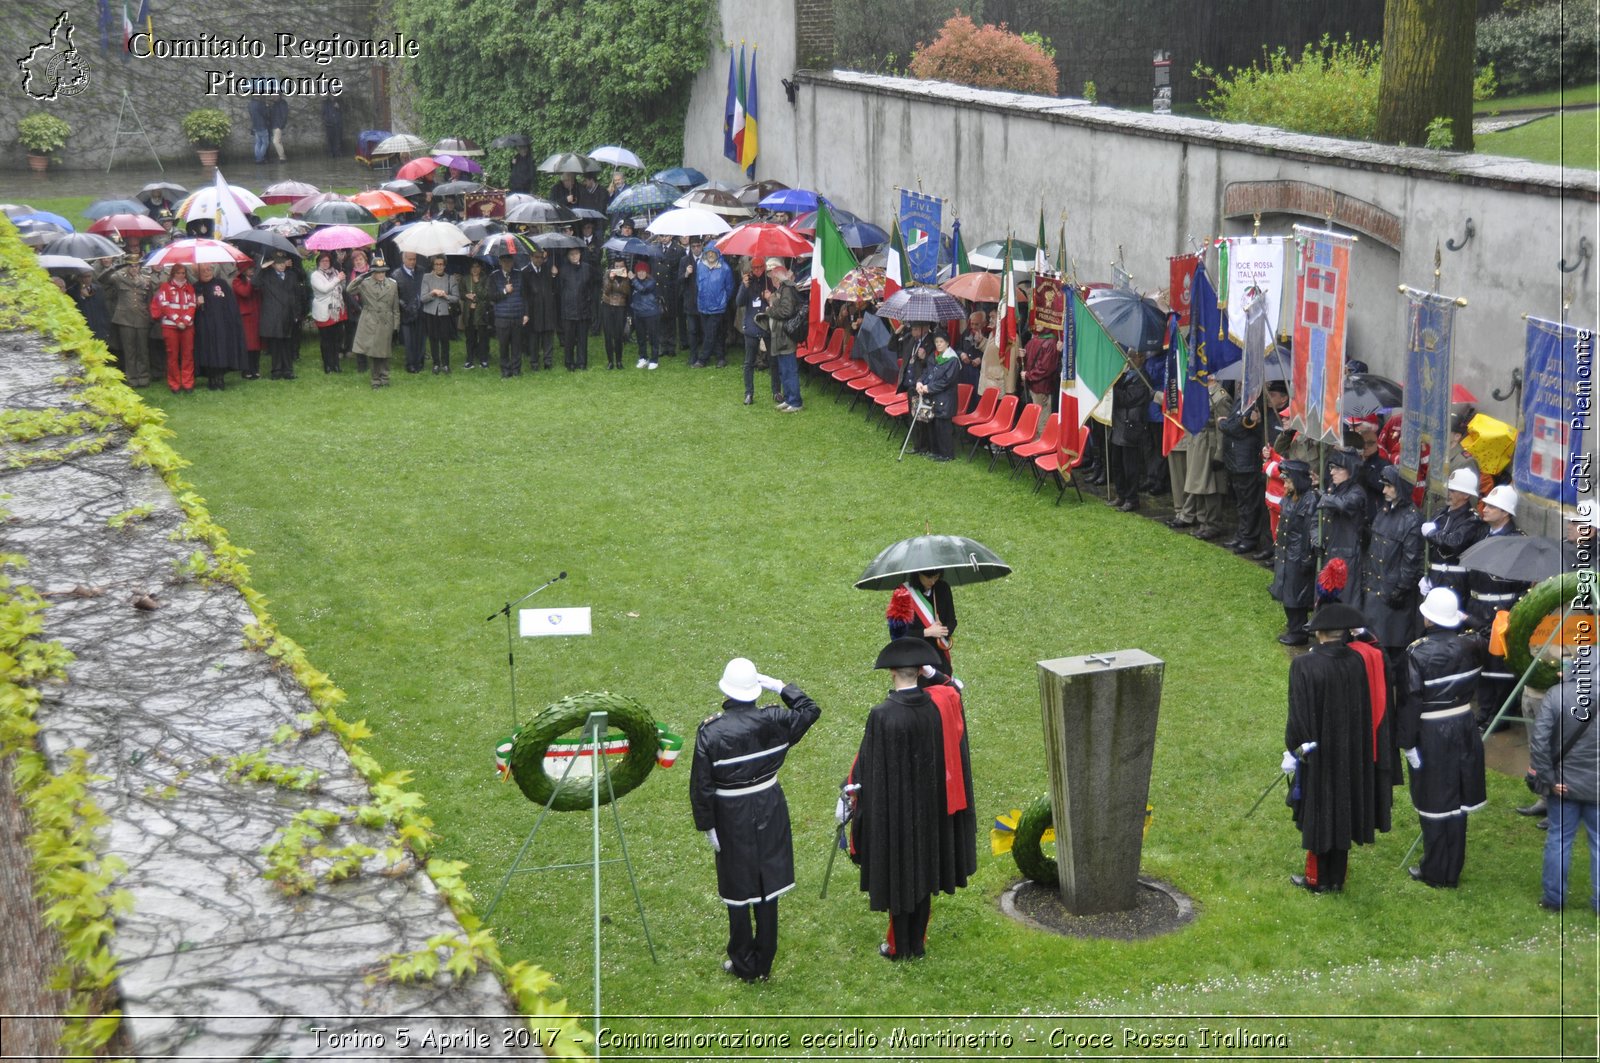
615, 744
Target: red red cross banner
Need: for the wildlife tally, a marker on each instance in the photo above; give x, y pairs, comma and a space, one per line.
1322, 286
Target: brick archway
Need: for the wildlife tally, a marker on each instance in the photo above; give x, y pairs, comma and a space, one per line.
1244, 199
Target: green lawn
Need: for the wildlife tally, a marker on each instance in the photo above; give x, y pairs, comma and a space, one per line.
389, 524
1571, 96
1571, 138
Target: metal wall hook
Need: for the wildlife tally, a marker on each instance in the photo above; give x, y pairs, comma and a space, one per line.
1513, 391
1472, 230
1584, 250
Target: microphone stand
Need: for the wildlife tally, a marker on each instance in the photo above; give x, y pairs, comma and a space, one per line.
511, 659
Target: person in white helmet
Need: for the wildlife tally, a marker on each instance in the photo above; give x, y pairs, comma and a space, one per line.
1438, 738
1488, 595
738, 804
1451, 530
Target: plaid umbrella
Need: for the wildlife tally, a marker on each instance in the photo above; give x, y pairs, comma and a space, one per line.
860, 285
642, 197
921, 304
399, 144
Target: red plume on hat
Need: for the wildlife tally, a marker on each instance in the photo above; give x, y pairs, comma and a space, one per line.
900, 607
1332, 579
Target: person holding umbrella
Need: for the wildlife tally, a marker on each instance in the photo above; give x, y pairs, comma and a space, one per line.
244, 291
922, 607
544, 311
281, 309
1130, 398
751, 302
713, 284
409, 280
783, 302
1437, 736
440, 297
739, 805
506, 294
173, 305
327, 310
522, 172
380, 315
475, 314
645, 305
218, 330
614, 294
575, 284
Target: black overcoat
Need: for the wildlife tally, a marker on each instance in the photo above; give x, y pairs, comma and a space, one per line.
218, 328
1329, 704
1343, 511
1294, 563
733, 787
1454, 530
281, 304
1391, 570
543, 303
900, 807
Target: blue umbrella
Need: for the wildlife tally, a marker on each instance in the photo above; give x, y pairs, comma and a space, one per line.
859, 234
793, 200
45, 215
641, 198
107, 207
684, 177
631, 245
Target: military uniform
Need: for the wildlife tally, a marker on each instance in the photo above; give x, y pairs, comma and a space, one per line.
1453, 531
1486, 596
733, 790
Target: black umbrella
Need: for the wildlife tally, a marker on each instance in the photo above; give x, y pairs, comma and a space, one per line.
1135, 322
1525, 558
478, 228
961, 559
872, 344
266, 240
510, 140
84, 245
458, 188
556, 241
1367, 393
568, 162
632, 245
106, 207
340, 213
159, 190
539, 212
402, 187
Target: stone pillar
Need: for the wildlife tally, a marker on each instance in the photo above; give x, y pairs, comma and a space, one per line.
1100, 735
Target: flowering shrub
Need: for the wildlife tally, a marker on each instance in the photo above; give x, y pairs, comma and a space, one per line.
988, 57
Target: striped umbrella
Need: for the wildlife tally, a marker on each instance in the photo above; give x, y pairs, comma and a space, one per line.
190, 252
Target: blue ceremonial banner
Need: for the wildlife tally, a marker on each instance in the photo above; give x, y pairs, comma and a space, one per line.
920, 216
1426, 415
1553, 460
1211, 349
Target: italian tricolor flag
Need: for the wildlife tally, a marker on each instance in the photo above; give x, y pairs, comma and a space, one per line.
830, 259
1006, 331
897, 270
1090, 362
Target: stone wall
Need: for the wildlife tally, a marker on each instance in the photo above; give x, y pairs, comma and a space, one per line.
162, 90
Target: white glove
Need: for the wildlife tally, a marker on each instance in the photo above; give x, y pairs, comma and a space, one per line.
1289, 763
1413, 758
958, 684
711, 836
1305, 748
928, 671
1424, 585
1428, 529
841, 810
769, 683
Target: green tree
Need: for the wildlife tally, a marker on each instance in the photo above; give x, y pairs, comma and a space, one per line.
1428, 52
569, 74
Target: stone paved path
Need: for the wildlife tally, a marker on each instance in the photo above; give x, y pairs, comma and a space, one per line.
214, 961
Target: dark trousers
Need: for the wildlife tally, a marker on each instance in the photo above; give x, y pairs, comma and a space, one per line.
669, 330
575, 342
1127, 471
752, 351
1329, 868
508, 334
944, 437
1297, 619
411, 340
908, 931
647, 330
690, 332
711, 339
1444, 849
331, 337
752, 953
613, 323
1494, 686
542, 348
1250, 500
478, 344
436, 327
281, 349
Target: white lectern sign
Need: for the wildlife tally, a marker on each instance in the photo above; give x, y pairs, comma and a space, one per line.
535, 622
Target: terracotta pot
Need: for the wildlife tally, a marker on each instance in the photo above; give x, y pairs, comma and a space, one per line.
208, 157
37, 163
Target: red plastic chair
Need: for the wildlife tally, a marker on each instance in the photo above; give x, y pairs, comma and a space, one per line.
1005, 418
828, 352
841, 359
1049, 465
816, 338
1027, 427
986, 404
1048, 442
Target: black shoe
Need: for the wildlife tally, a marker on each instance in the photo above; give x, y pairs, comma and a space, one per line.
1303, 883
1205, 534
1266, 553
1229, 544
1547, 906
1177, 524
1543, 824
1538, 808
1289, 638
1416, 876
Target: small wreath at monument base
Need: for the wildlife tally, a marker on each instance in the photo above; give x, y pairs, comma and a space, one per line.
1526, 627
1026, 846
632, 735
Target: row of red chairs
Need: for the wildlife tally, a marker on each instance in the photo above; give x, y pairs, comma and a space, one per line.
1009, 427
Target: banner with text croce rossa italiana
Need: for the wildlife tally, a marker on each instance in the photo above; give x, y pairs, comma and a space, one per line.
1555, 450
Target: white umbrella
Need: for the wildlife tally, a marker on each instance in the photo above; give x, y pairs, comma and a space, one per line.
63, 262
400, 144
689, 221
616, 156
203, 204
430, 238
191, 252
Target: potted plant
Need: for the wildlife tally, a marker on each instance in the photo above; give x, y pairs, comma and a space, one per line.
207, 129
42, 134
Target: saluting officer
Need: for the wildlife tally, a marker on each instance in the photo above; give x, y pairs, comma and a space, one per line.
1453, 529
737, 802
1439, 738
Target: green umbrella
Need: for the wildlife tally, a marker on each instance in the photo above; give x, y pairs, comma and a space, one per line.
961, 559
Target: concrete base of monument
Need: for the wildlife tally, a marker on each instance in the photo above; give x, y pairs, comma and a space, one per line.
1161, 910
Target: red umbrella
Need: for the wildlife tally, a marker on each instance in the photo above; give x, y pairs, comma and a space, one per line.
1457, 392
764, 240
120, 226
188, 252
974, 287
417, 169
